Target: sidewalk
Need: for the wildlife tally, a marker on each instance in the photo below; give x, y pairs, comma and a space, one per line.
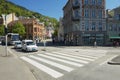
11, 68
115, 61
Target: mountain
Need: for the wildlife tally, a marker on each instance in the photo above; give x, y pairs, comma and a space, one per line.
9, 7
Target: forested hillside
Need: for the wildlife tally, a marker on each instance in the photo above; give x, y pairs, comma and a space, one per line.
9, 7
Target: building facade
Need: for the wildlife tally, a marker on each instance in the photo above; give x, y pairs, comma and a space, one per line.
113, 26
84, 22
34, 30
61, 30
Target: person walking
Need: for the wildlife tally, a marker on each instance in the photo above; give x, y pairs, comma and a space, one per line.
95, 44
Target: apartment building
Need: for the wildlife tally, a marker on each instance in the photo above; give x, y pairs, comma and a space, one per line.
34, 29
84, 22
113, 25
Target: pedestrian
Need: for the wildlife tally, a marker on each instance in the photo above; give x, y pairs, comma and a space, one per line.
95, 44
117, 44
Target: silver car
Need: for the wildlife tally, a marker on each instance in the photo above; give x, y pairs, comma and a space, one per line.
29, 45
18, 45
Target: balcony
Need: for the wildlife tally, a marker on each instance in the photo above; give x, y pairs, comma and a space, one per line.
76, 5
77, 18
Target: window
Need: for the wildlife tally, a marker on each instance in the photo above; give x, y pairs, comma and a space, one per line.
118, 16
115, 27
86, 26
86, 11
35, 29
100, 14
119, 28
100, 26
85, 1
76, 2
93, 26
93, 2
99, 2
93, 13
76, 14
110, 28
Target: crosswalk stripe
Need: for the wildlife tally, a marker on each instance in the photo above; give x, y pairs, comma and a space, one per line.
61, 60
83, 55
46, 69
90, 52
74, 56
64, 57
68, 69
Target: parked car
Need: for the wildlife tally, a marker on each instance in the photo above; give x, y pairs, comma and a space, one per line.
29, 45
18, 45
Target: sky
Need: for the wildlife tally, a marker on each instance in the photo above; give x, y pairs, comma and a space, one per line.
53, 8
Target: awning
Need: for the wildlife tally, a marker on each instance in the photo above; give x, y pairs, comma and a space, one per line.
114, 37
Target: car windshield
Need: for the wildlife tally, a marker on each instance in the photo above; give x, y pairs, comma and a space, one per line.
30, 43
18, 43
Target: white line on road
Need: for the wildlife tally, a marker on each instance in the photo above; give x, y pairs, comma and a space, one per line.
108, 60
64, 57
46, 69
68, 69
61, 60
9, 50
83, 55
74, 56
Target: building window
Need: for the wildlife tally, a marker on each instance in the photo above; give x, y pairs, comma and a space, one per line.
93, 2
86, 11
115, 27
93, 13
93, 26
110, 28
118, 16
86, 26
99, 2
100, 26
99, 13
35, 29
85, 1
119, 28
76, 2
76, 14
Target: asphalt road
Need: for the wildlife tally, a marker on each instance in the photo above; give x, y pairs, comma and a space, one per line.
71, 63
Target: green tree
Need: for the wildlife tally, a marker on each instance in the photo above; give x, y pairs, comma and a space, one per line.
1, 30
19, 28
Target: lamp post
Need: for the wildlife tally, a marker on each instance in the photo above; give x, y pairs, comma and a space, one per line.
5, 23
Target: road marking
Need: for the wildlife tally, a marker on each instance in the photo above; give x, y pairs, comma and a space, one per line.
108, 60
9, 50
68, 58
82, 55
46, 69
61, 60
74, 56
68, 69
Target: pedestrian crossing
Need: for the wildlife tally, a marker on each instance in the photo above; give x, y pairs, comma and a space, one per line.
62, 61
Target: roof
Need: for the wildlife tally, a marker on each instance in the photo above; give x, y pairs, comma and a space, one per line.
23, 21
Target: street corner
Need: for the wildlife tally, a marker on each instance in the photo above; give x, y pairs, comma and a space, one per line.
115, 61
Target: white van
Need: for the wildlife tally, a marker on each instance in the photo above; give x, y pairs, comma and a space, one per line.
29, 45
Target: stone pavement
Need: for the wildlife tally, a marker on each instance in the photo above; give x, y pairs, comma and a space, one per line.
11, 68
115, 61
